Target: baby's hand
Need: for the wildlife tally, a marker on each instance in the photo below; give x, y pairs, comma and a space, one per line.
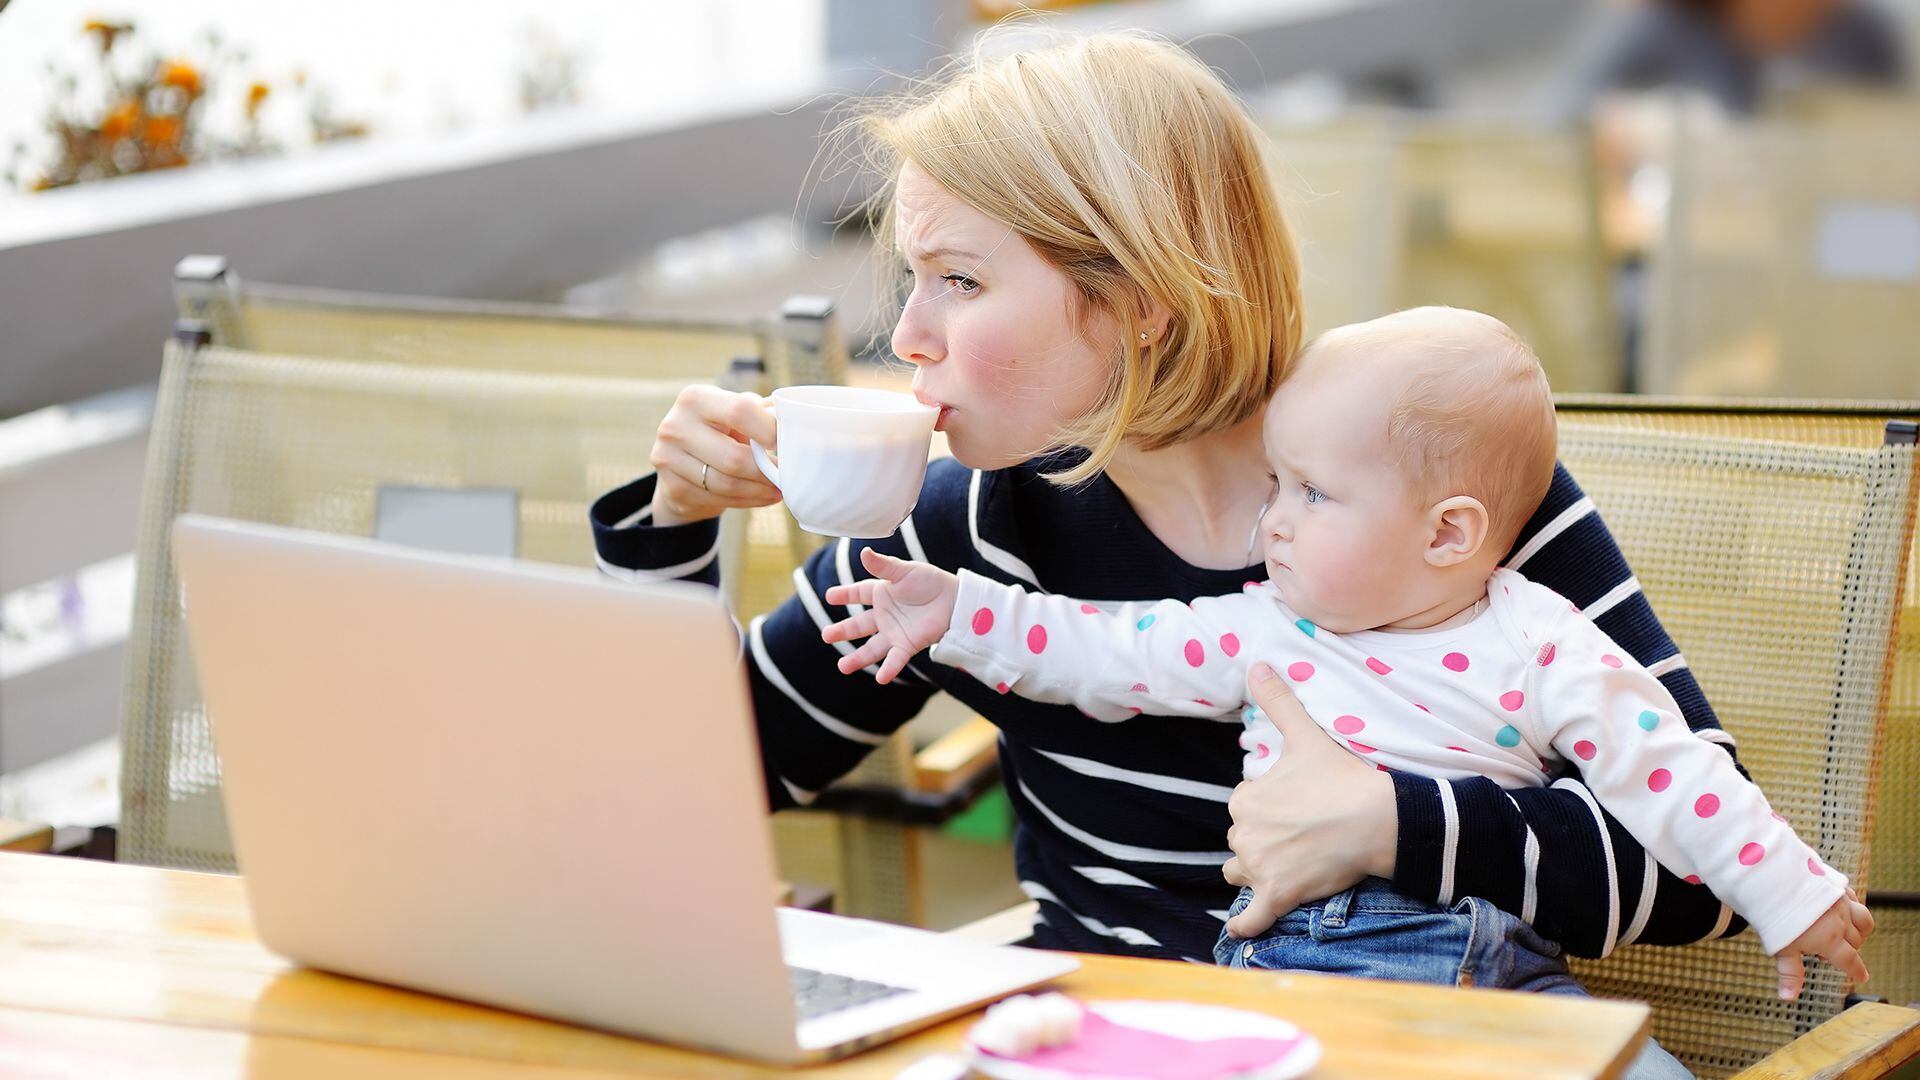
1834, 937
909, 605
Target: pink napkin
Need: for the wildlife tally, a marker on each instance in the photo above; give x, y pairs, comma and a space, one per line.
1105, 1048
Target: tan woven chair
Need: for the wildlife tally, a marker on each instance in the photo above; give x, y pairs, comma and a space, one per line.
256, 428
1775, 547
1396, 210
1788, 265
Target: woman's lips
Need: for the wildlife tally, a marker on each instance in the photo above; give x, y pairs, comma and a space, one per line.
940, 422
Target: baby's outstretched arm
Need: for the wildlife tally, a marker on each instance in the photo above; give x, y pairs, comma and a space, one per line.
909, 605
1835, 937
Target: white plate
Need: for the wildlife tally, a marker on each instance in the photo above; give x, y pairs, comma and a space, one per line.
1183, 1019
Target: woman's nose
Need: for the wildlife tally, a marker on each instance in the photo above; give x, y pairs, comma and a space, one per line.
918, 337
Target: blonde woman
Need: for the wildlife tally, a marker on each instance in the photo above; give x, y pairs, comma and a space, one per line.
1102, 293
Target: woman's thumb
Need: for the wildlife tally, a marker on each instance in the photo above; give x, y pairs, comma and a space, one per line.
1269, 691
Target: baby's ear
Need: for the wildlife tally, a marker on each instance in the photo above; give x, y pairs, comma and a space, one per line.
1460, 525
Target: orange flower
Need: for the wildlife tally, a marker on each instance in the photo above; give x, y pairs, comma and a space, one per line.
256, 94
161, 130
180, 74
105, 31
120, 120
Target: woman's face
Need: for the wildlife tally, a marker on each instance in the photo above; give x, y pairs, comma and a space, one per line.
992, 330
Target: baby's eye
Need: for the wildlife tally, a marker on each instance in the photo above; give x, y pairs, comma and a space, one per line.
961, 282
1314, 494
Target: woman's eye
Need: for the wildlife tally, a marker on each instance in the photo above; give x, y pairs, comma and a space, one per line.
961, 282
1314, 494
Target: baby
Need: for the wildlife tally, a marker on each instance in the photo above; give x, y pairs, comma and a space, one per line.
1407, 454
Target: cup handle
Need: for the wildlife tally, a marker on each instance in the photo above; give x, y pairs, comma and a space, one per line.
767, 466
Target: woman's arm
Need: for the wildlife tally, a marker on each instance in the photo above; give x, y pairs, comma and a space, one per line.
815, 724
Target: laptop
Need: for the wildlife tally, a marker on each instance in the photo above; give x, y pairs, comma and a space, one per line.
524, 786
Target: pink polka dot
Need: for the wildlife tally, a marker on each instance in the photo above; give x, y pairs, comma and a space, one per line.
1462, 749
982, 621
1203, 701
1423, 708
1752, 853
1134, 709
1300, 671
1037, 639
1378, 667
1814, 868
1691, 879
1707, 805
1249, 586
1777, 817
1002, 687
1139, 688
1196, 654
1610, 660
1230, 645
1659, 780
1359, 747
1381, 767
1454, 661
1089, 609
1261, 750
1349, 725
1545, 655
1583, 750
1512, 700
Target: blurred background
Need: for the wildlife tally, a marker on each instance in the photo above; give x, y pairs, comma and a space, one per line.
1668, 197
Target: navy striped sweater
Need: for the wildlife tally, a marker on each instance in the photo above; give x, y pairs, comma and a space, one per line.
1122, 827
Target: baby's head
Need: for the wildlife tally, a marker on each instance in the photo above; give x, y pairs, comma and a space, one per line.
1409, 451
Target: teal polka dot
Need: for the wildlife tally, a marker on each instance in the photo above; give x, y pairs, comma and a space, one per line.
1649, 720
1508, 736
1306, 627
1145, 621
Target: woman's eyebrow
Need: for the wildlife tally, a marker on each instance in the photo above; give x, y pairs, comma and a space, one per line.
929, 254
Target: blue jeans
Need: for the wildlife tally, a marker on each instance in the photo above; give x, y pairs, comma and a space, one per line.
1372, 932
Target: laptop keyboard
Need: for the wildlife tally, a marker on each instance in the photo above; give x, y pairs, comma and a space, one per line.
817, 993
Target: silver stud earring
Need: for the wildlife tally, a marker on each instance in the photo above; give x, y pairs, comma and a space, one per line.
1145, 334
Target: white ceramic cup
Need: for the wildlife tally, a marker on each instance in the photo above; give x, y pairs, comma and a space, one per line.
851, 459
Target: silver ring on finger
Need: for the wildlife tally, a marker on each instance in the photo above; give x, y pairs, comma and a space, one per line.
704, 466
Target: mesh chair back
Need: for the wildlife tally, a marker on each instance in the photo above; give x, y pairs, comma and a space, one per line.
1395, 212
309, 443
1790, 266
1778, 564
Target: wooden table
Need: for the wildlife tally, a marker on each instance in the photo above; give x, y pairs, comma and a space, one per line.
109, 970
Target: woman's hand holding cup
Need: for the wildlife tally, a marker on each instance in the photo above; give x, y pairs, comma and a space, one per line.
703, 459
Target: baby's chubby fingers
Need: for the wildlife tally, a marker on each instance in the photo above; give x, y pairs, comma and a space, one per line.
1793, 973
860, 592
872, 652
858, 626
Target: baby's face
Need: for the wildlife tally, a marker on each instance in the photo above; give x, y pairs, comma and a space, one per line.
1346, 536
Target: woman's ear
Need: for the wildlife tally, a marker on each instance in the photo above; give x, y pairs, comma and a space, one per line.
1460, 525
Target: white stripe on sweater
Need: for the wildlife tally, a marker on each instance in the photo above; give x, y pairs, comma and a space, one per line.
635, 518
1530, 894
1125, 852
1107, 875
1666, 667
1649, 883
1449, 841
911, 536
765, 663
1606, 850
1128, 934
664, 573
797, 793
1720, 925
1172, 785
1561, 523
997, 556
1612, 598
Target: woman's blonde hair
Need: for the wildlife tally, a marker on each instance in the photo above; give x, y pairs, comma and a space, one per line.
1130, 167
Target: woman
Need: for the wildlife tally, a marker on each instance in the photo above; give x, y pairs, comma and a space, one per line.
1103, 292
